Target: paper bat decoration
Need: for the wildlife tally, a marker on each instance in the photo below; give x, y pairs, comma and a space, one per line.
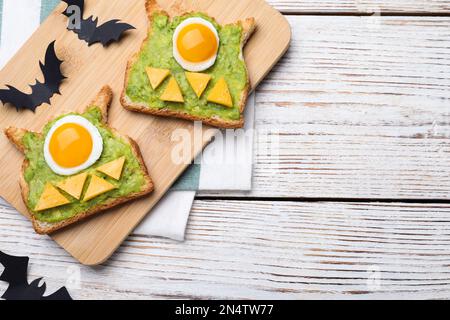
15, 274
41, 92
89, 30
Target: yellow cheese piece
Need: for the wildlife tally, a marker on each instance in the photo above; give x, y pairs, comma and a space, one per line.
97, 186
157, 76
172, 92
50, 198
113, 168
74, 185
198, 82
220, 94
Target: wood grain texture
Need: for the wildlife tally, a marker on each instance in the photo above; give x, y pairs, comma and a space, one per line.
88, 69
265, 250
362, 6
361, 108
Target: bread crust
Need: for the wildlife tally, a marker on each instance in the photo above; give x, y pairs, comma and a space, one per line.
103, 101
248, 27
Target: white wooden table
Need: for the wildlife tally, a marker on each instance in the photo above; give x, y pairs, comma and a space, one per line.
356, 204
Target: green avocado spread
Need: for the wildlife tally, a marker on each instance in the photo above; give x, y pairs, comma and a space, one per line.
38, 173
158, 53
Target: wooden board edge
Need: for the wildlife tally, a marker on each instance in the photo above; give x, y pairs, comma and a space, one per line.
286, 45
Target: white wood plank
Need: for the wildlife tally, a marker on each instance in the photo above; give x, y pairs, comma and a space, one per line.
273, 250
362, 6
361, 106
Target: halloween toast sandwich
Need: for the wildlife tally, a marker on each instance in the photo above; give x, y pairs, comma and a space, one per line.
190, 67
78, 166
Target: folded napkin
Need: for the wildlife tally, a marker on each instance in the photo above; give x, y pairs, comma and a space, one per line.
231, 170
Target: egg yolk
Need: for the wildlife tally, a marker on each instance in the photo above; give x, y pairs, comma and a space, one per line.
71, 145
197, 43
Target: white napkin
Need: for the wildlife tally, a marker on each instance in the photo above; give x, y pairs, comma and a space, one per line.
20, 18
170, 216
235, 170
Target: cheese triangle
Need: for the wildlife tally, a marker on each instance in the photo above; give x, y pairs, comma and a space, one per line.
198, 82
220, 94
74, 185
50, 198
97, 186
113, 169
172, 92
157, 76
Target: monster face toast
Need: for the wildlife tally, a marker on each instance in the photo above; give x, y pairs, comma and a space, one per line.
78, 166
190, 67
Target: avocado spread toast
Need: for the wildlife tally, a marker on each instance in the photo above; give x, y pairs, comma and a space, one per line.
78, 166
190, 67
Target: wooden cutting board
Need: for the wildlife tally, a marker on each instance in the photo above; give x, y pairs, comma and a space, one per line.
88, 69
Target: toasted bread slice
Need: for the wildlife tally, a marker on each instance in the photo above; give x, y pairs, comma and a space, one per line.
102, 101
248, 27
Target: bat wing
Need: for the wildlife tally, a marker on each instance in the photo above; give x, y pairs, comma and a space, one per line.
109, 32
17, 98
51, 71
60, 295
87, 29
78, 3
15, 274
16, 268
40, 92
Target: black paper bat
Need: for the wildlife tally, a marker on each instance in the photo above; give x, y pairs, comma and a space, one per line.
15, 274
89, 30
40, 92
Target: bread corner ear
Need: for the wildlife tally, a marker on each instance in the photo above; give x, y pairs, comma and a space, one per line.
16, 135
152, 6
248, 28
103, 101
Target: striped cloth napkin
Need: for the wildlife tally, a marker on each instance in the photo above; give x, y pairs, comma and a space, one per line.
20, 18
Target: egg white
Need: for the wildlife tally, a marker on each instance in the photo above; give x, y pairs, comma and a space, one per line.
97, 147
194, 66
